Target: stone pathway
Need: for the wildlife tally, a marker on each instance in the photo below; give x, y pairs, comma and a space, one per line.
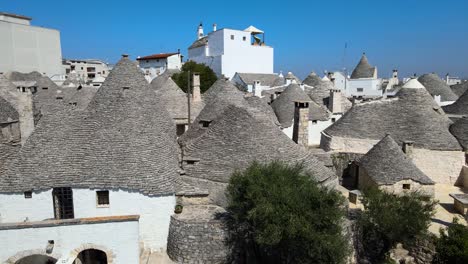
155, 258
444, 210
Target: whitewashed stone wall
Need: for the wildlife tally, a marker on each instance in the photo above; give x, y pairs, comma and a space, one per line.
16, 208
365, 181
440, 166
119, 240
155, 212
351, 145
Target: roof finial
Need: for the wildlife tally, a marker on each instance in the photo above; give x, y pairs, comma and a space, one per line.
124, 55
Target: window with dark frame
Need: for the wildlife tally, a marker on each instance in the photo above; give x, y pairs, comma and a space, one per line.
102, 198
360, 90
406, 186
63, 203
232, 37
244, 38
28, 194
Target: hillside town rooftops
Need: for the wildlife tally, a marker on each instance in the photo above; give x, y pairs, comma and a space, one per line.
123, 140
387, 164
412, 115
436, 86
236, 138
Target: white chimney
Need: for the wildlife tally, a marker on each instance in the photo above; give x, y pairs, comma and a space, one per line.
200, 33
257, 89
214, 27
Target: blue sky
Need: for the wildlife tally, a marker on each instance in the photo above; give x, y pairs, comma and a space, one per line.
414, 36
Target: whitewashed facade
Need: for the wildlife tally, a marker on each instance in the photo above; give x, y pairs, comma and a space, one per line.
86, 70
154, 212
64, 240
156, 64
228, 51
26, 48
365, 87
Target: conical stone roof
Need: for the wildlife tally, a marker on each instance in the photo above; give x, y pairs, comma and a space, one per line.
460, 130
125, 139
175, 100
460, 88
7, 112
436, 86
254, 105
363, 69
236, 138
460, 107
387, 164
48, 93
284, 104
413, 115
315, 81
221, 87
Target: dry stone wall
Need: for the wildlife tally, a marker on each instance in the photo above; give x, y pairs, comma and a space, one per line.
197, 240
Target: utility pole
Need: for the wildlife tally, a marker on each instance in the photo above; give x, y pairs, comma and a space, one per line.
188, 97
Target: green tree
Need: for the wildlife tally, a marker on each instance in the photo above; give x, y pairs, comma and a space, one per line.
279, 214
389, 219
207, 75
452, 246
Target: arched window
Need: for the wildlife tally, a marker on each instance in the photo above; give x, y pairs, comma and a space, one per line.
37, 259
91, 256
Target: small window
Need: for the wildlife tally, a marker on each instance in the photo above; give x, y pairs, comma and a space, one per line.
205, 123
102, 198
81, 67
333, 120
180, 129
406, 186
190, 162
244, 38
314, 122
360, 90
45, 88
28, 194
232, 37
126, 88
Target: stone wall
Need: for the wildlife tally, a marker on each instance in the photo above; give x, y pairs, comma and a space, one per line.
423, 251
344, 169
340, 144
197, 236
441, 166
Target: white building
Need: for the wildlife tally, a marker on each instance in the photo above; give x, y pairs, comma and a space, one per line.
156, 64
87, 69
26, 48
452, 80
104, 191
228, 51
364, 81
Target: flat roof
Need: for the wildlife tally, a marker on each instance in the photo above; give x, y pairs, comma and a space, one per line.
15, 16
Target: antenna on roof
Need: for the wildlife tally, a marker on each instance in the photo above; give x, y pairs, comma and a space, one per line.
343, 60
